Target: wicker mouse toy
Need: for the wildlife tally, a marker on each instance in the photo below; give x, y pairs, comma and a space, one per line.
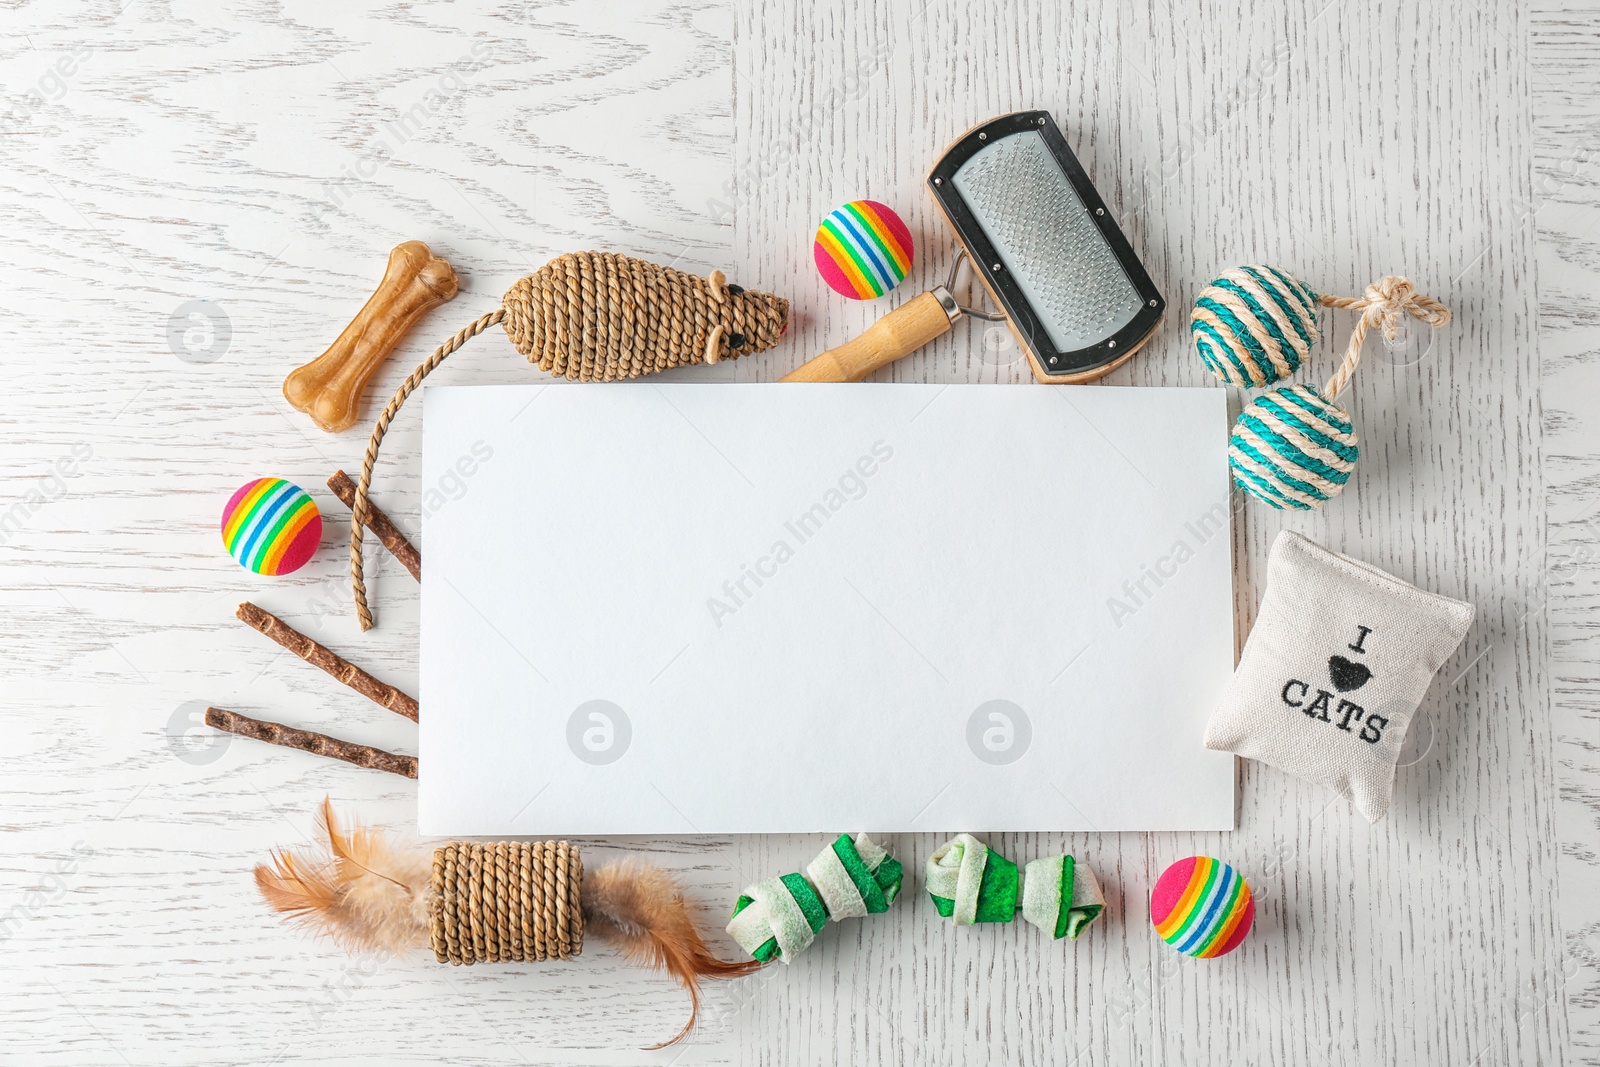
598, 317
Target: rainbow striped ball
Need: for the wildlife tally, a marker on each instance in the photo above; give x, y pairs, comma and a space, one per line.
271, 526
1293, 449
1202, 907
863, 250
1254, 326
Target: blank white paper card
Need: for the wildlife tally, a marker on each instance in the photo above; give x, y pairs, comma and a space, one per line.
657, 608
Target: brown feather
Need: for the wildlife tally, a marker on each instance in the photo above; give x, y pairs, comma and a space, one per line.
385, 888
363, 892
294, 888
641, 910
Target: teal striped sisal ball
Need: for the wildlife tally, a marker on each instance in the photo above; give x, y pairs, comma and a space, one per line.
1292, 448
1254, 326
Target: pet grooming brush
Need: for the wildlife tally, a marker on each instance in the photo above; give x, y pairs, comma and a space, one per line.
1046, 249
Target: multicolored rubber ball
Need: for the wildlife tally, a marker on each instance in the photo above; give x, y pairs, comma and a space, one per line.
271, 526
1202, 907
863, 250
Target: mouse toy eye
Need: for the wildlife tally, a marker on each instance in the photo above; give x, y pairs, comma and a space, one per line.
736, 340
735, 289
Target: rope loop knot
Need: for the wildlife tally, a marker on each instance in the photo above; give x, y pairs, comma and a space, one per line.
1385, 304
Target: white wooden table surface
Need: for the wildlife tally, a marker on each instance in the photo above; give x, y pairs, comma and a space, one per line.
195, 198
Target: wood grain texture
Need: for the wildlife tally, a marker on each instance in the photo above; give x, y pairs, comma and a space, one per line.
1343, 141
195, 200
264, 159
1563, 210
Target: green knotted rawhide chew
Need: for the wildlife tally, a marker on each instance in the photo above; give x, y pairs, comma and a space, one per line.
971, 884
780, 917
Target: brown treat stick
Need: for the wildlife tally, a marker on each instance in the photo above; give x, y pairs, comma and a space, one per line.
329, 387
381, 693
379, 524
275, 733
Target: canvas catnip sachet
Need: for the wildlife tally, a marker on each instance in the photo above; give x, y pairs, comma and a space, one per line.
1340, 657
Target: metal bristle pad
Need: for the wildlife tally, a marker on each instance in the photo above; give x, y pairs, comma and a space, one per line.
1049, 242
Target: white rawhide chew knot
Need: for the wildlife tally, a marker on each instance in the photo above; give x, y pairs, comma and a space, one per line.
849, 879
772, 914
955, 873
971, 884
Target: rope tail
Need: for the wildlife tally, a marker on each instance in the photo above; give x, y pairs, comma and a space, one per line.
1384, 304
359, 512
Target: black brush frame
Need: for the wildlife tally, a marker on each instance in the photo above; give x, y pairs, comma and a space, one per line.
1048, 362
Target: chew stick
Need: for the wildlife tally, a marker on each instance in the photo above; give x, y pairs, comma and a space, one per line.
379, 523
275, 733
381, 693
329, 388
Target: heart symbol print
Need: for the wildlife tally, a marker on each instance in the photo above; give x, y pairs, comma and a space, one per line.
1347, 675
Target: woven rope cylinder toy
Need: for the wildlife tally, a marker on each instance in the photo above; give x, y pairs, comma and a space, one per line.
489, 902
506, 901
1253, 326
597, 317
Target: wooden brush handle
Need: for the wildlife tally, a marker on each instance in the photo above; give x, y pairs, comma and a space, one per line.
329, 387
899, 333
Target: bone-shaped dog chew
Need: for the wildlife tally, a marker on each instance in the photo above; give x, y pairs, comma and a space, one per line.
329, 387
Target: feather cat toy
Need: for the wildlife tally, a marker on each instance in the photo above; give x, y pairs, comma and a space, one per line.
489, 902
